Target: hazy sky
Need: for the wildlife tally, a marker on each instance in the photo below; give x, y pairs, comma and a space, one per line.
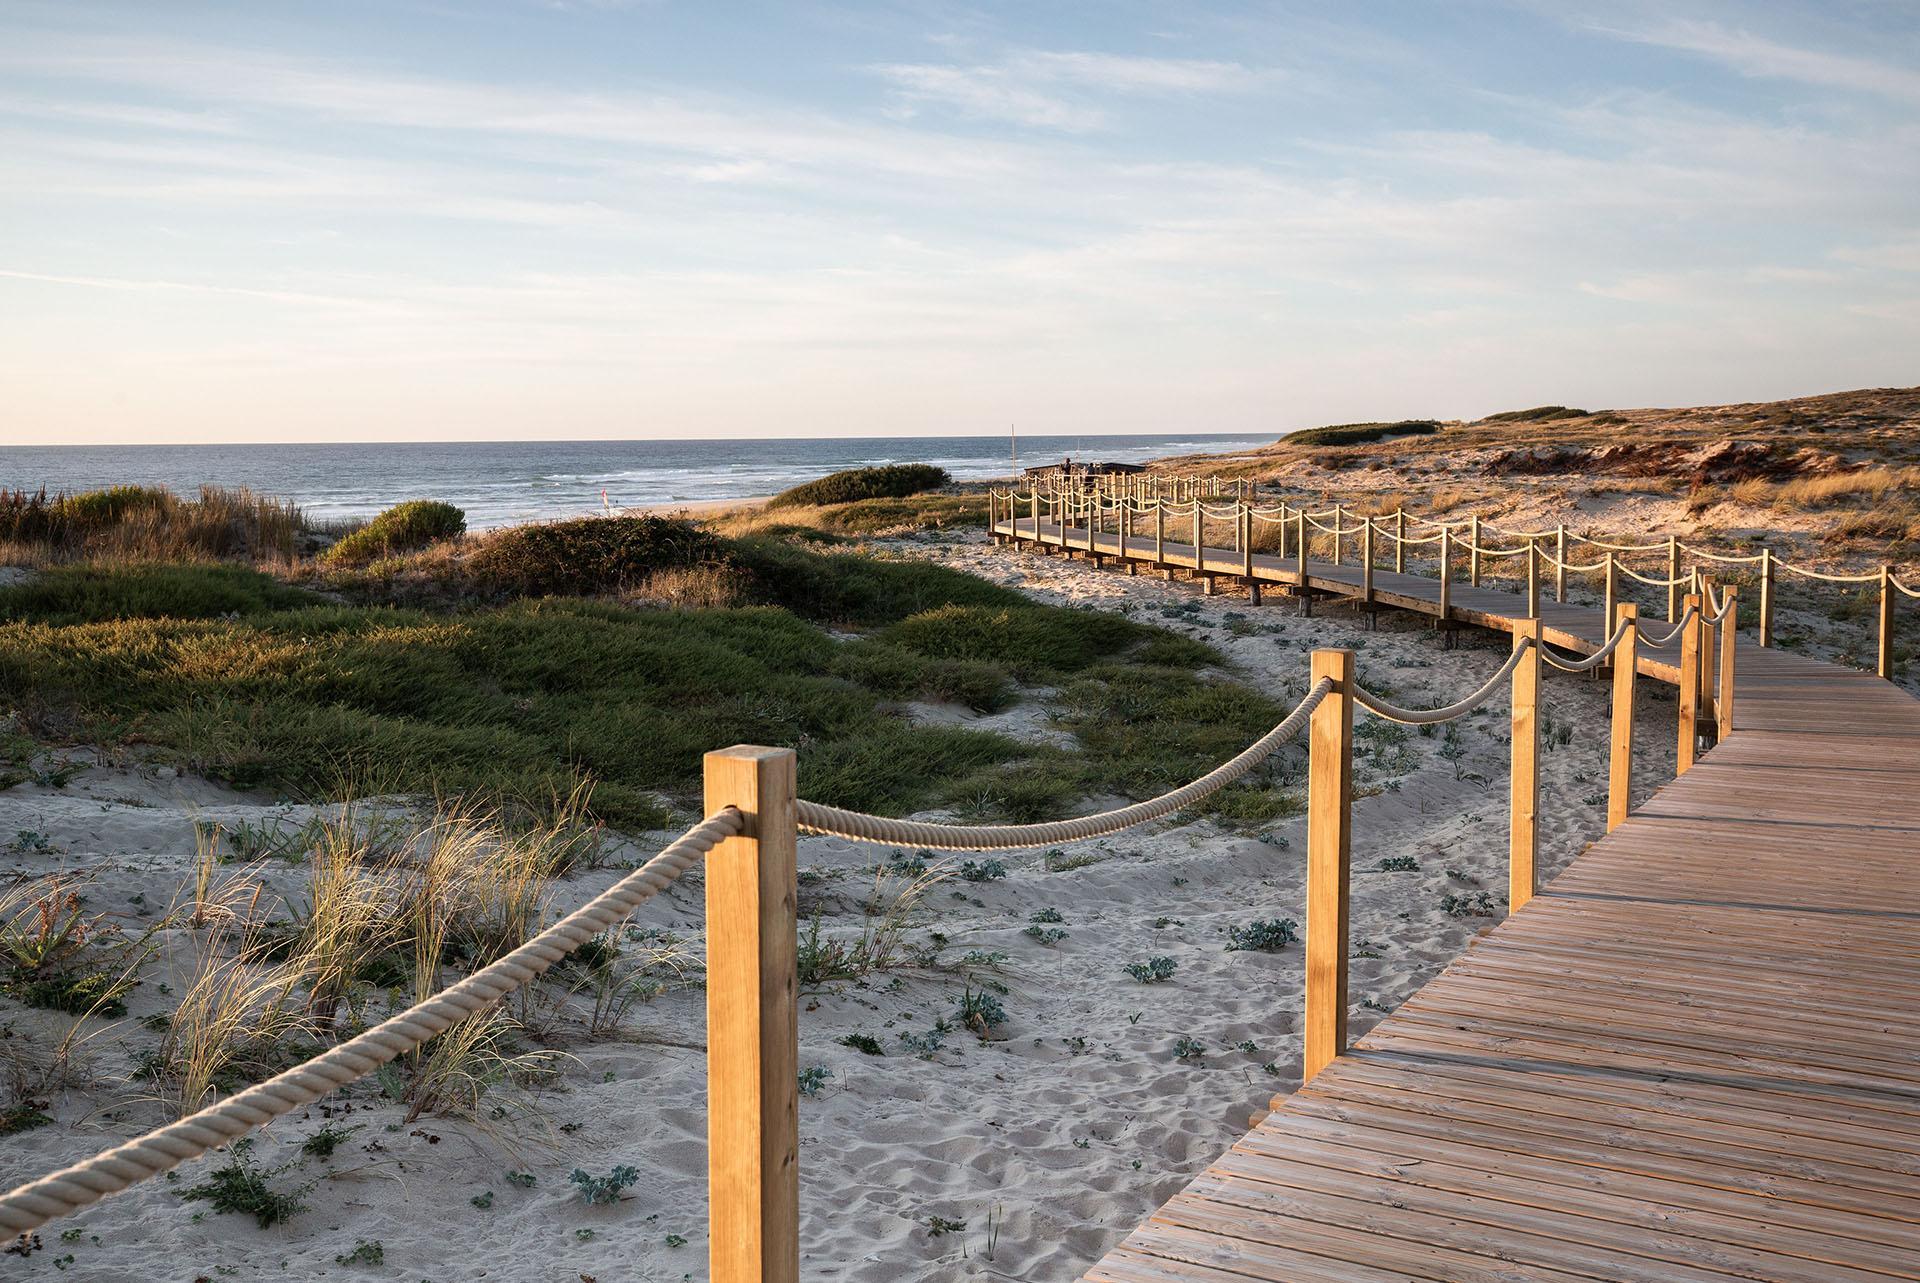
344, 221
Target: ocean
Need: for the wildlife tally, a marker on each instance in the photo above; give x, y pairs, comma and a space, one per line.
502, 482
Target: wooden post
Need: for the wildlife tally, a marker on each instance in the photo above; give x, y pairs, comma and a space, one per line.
1533, 578
1036, 515
1399, 540
1329, 855
1300, 532
1199, 532
1473, 554
1689, 685
1613, 591
1446, 573
1885, 666
1560, 562
1122, 522
1339, 531
753, 1106
1709, 657
1766, 596
1673, 578
1285, 523
1523, 790
1620, 763
1729, 640
1159, 533
1366, 562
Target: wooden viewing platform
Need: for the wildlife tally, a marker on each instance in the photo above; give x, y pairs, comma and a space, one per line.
1694, 1055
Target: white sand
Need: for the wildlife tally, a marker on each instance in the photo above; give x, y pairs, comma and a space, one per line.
1063, 1133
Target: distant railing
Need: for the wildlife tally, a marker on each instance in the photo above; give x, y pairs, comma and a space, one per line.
1081, 517
748, 844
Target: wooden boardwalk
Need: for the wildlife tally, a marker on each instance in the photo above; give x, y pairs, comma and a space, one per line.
1694, 1055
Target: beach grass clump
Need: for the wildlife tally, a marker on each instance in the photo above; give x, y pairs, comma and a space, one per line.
149, 523
1362, 433
1265, 935
861, 518
404, 527
56, 954
1035, 645
589, 555
893, 481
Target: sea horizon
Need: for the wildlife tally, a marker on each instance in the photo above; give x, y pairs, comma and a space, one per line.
504, 482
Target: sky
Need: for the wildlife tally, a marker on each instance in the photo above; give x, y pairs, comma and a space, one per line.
515, 219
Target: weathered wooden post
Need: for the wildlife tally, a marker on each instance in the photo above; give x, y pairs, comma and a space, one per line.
1446, 573
1159, 534
1473, 553
1300, 549
1690, 635
1246, 553
753, 1107
1533, 578
1366, 563
1766, 596
1399, 541
1885, 665
1673, 578
1036, 514
1286, 525
1729, 642
1560, 562
1329, 857
1612, 590
1339, 531
1709, 657
1199, 532
1523, 790
1620, 762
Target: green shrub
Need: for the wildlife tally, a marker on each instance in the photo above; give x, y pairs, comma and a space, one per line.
401, 528
1538, 414
849, 588
590, 554
1361, 433
894, 481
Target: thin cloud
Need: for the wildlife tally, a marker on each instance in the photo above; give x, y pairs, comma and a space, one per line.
1026, 87
1757, 56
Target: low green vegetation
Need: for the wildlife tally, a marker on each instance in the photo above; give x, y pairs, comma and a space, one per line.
401, 528
1538, 414
1362, 433
543, 659
891, 482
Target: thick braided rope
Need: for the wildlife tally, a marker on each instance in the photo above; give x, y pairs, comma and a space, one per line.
858, 826
1592, 661
1790, 568
1657, 581
1671, 633
1496, 552
1618, 547
1911, 592
90, 1180
1715, 556
1426, 716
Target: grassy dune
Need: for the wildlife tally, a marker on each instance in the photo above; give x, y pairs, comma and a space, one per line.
516, 665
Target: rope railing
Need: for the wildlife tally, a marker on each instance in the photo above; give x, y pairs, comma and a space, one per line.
1546, 551
1429, 716
1598, 657
115, 1170
861, 827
